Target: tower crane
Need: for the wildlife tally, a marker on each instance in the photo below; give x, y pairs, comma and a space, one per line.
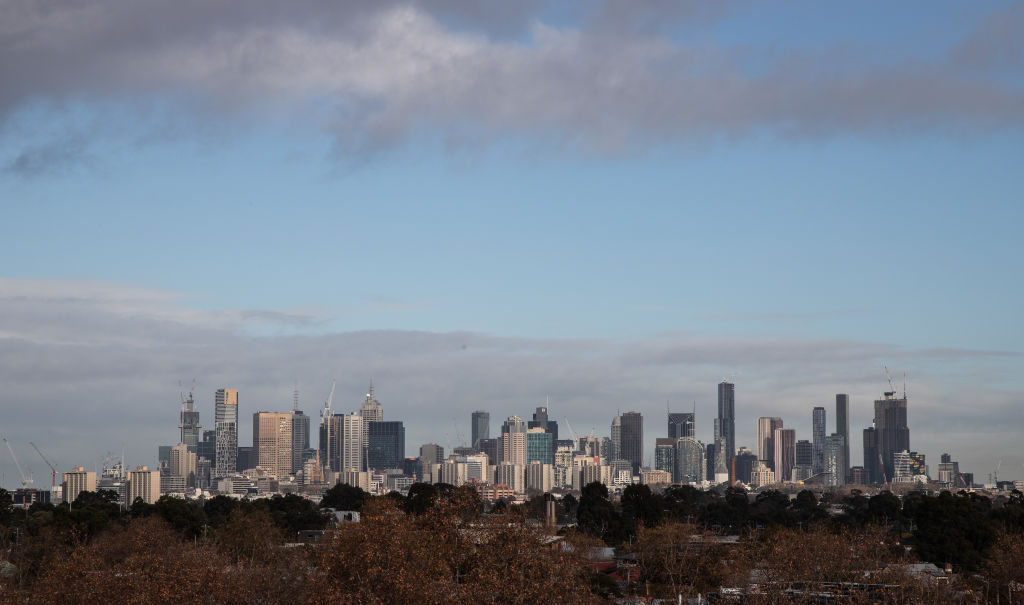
575, 439
53, 467
25, 482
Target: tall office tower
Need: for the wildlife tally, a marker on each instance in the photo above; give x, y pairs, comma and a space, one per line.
766, 426
480, 428
745, 462
539, 446
727, 416
371, 410
432, 453
300, 438
513, 441
189, 424
680, 424
689, 461
541, 421
183, 464
491, 447
818, 437
226, 426
387, 445
77, 481
143, 483
615, 433
272, 442
835, 463
843, 428
665, 455
632, 440
784, 441
872, 457
893, 432
804, 455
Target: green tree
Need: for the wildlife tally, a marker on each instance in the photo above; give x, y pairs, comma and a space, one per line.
596, 515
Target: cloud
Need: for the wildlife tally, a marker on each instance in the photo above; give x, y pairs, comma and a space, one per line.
374, 75
93, 367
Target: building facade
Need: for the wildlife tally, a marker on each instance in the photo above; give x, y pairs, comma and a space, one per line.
272, 442
727, 416
632, 440
226, 427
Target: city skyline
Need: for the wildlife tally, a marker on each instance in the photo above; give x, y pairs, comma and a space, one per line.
483, 206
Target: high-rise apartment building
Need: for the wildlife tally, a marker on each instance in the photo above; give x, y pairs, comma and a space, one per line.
766, 426
341, 442
681, 424
387, 445
300, 438
189, 424
632, 439
77, 481
843, 428
835, 463
480, 427
226, 426
727, 416
513, 447
784, 441
818, 439
893, 432
744, 462
143, 483
804, 455
182, 464
615, 436
272, 442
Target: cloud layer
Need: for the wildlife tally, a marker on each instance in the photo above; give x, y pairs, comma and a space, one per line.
89, 368
374, 75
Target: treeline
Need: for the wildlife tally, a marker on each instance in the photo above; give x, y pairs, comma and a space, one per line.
442, 544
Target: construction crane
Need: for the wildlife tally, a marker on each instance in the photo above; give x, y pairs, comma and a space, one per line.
892, 389
25, 482
53, 467
575, 439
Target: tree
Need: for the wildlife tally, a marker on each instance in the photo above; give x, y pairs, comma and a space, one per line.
344, 497
596, 515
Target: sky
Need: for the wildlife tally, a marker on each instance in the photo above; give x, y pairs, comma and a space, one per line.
597, 206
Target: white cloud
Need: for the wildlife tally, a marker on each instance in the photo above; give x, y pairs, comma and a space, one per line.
91, 367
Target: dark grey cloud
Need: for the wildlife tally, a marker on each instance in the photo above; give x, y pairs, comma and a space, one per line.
374, 74
89, 368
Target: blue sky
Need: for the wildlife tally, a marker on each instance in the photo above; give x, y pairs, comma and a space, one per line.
754, 177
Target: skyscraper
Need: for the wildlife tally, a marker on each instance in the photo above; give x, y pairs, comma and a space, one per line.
387, 444
226, 416
541, 421
300, 438
893, 432
371, 410
665, 455
632, 439
690, 464
835, 463
766, 426
784, 441
818, 439
680, 424
480, 428
727, 417
272, 442
539, 446
513, 441
872, 457
843, 428
189, 424
615, 434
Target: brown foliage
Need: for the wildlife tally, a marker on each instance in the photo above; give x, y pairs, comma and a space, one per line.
441, 558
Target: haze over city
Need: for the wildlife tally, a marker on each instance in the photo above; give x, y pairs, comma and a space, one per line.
598, 207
